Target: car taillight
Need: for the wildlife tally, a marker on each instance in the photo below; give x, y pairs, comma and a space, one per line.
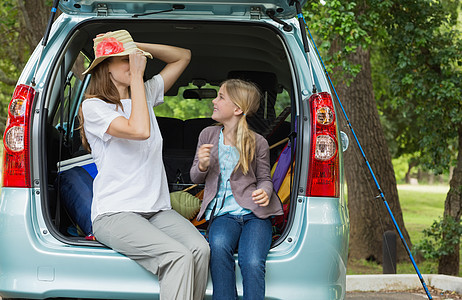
16, 172
323, 176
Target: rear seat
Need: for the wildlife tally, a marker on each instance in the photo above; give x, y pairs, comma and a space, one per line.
172, 132
181, 135
192, 129
180, 142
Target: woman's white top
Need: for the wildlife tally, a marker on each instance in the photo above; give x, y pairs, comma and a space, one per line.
131, 174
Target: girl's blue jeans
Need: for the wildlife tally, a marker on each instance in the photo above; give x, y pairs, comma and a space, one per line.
251, 236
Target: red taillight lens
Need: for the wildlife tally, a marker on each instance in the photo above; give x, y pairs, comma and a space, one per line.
323, 176
16, 139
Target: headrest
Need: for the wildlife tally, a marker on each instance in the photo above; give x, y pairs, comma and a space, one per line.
266, 81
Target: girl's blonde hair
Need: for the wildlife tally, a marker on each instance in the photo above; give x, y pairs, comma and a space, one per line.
247, 97
101, 87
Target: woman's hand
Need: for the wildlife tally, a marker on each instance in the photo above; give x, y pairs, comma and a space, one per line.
260, 197
204, 156
137, 65
138, 125
176, 58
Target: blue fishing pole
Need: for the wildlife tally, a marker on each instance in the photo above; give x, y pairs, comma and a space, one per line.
381, 195
54, 9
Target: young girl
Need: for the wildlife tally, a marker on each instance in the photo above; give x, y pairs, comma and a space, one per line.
131, 210
233, 161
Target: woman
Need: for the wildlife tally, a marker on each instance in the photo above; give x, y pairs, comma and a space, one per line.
233, 161
131, 211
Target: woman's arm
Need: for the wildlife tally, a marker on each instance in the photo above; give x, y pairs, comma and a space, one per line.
138, 125
177, 60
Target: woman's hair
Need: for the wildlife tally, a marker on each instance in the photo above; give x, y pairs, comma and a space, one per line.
247, 97
101, 87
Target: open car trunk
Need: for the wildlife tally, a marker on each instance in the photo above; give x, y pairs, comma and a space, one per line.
220, 50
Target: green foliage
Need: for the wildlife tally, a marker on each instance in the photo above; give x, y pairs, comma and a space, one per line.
440, 238
282, 101
180, 108
13, 54
424, 88
401, 166
416, 67
343, 27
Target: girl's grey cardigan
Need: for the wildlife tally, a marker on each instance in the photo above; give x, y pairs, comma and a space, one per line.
257, 177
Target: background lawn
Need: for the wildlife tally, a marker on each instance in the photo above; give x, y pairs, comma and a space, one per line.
421, 205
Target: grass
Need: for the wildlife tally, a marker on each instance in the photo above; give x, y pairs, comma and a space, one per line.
421, 205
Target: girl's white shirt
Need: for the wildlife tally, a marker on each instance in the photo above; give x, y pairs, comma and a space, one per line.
131, 174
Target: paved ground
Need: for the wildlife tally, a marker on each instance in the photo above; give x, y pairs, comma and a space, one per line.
424, 188
403, 286
399, 295
384, 296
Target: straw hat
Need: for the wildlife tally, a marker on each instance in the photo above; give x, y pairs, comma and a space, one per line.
113, 43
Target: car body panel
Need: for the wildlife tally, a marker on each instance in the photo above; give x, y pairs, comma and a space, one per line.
282, 8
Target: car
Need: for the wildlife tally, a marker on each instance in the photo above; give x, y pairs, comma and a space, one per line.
45, 251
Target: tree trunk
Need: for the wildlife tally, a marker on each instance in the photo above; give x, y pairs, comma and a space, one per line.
28, 28
407, 177
35, 14
449, 264
369, 218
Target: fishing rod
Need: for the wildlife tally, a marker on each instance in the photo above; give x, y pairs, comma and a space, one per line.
381, 195
306, 47
54, 8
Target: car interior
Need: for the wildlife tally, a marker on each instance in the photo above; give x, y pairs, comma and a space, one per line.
220, 50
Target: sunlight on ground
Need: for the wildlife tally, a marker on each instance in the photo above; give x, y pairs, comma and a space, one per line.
421, 206
424, 188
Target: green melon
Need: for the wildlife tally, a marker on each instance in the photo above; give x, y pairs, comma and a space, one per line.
185, 204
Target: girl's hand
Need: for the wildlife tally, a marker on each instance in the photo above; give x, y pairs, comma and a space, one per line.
204, 156
137, 64
260, 197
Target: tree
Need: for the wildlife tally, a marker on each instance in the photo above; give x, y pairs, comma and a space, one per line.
353, 27
22, 24
35, 14
425, 92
